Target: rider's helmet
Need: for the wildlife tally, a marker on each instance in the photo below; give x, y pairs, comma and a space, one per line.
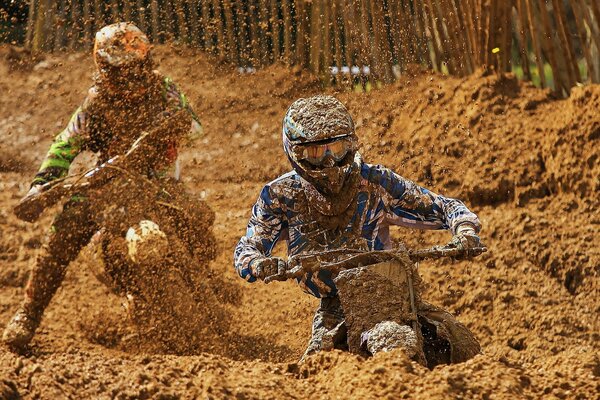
320, 142
122, 54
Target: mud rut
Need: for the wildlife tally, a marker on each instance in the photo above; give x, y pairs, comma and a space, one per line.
527, 163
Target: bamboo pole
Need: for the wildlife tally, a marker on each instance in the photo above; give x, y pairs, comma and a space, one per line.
566, 45
350, 40
287, 31
463, 28
581, 30
31, 17
182, 30
126, 10
561, 80
194, 22
326, 45
536, 45
315, 37
466, 8
157, 35
410, 33
263, 31
252, 33
141, 12
585, 12
206, 24
114, 11
168, 22
337, 45
275, 30
430, 23
302, 34
232, 48
76, 27
523, 47
450, 36
218, 24
60, 25
382, 51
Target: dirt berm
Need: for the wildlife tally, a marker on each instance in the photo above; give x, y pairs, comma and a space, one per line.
526, 162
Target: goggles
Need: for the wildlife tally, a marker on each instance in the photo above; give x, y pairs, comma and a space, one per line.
315, 153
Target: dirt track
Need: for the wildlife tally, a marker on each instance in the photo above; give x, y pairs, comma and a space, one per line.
528, 164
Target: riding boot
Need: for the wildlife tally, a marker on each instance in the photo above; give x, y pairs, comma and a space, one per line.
328, 323
70, 232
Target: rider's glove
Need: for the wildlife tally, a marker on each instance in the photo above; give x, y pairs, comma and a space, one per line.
35, 190
268, 266
466, 238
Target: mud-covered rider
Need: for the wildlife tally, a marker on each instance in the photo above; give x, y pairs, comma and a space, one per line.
128, 97
332, 199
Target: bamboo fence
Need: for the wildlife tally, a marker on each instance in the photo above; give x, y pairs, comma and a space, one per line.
339, 39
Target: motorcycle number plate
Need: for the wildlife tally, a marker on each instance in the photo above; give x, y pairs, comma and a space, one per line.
391, 270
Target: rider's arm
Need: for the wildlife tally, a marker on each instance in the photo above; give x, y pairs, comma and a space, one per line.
265, 228
413, 206
176, 101
65, 147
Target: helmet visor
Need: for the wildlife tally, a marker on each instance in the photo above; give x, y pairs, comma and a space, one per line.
315, 153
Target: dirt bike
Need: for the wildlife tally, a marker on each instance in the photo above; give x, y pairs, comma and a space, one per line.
151, 239
380, 293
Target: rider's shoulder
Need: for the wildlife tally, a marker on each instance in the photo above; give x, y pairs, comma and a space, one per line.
377, 173
287, 180
91, 97
282, 185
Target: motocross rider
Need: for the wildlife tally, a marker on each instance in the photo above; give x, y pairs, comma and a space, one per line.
333, 199
128, 97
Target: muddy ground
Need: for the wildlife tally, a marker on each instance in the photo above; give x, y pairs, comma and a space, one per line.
526, 162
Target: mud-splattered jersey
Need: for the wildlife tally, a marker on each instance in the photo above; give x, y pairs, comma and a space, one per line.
383, 199
80, 135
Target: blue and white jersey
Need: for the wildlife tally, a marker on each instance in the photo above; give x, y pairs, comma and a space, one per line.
383, 199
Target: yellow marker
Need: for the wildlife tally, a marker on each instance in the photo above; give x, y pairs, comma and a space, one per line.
496, 50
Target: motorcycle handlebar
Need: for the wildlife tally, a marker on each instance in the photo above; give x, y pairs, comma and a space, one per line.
303, 264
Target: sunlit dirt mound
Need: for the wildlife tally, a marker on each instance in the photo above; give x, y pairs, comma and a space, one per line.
526, 162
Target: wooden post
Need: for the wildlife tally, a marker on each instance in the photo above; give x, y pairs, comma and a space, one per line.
182, 30
59, 25
287, 31
232, 49
141, 12
253, 46
126, 11
263, 31
301, 28
75, 34
382, 52
33, 4
39, 36
536, 45
207, 26
315, 36
194, 22
337, 45
157, 35
275, 30
581, 30
349, 38
567, 46
523, 47
560, 80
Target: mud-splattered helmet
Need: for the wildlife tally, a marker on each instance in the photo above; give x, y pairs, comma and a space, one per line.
122, 57
319, 140
120, 44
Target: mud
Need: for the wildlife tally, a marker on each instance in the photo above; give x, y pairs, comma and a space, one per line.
367, 299
524, 161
